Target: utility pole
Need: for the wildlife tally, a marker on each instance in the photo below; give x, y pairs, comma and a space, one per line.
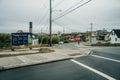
63, 30
50, 23
91, 33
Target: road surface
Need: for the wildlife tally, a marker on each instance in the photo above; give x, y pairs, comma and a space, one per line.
101, 64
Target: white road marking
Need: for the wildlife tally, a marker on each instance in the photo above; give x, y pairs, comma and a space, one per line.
24, 59
105, 58
94, 70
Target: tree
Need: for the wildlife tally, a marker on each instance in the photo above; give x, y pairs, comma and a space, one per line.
5, 40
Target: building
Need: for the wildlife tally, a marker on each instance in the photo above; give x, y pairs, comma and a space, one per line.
101, 34
115, 36
75, 36
107, 37
92, 37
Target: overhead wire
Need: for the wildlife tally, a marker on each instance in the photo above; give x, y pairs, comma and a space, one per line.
68, 20
71, 10
61, 25
58, 4
44, 15
72, 6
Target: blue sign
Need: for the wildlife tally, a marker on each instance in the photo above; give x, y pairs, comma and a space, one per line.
21, 38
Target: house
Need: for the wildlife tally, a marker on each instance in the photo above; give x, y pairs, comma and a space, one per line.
107, 37
75, 37
115, 36
34, 40
92, 36
101, 34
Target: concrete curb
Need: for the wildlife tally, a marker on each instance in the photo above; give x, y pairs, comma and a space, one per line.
31, 64
19, 53
87, 52
82, 55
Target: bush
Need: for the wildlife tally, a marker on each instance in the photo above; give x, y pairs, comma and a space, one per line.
55, 40
45, 50
97, 44
66, 41
44, 39
108, 44
64, 38
5, 40
105, 44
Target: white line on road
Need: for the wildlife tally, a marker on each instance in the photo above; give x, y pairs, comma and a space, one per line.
106, 58
24, 59
94, 70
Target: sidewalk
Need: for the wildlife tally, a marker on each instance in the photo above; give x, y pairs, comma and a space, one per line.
20, 58
84, 45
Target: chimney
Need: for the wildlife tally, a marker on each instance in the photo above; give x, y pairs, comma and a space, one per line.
30, 27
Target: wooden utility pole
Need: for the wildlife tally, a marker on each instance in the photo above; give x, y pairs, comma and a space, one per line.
63, 30
91, 33
50, 23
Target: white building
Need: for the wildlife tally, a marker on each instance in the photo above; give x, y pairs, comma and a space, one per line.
106, 37
115, 36
35, 42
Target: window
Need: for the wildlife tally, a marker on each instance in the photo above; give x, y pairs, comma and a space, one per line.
115, 39
111, 33
109, 38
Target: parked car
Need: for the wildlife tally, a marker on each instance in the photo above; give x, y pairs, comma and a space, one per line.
61, 42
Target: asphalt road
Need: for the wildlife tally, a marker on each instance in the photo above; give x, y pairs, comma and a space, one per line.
63, 70
70, 46
101, 64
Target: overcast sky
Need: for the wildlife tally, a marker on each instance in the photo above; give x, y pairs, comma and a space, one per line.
16, 15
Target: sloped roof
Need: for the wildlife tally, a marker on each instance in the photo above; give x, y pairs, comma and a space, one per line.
20, 31
117, 32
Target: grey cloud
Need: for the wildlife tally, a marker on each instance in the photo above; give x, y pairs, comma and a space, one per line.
17, 13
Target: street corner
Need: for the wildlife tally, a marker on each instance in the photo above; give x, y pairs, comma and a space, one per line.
82, 52
75, 54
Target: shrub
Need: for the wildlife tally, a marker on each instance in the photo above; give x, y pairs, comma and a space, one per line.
5, 40
45, 50
66, 41
55, 40
64, 38
44, 39
105, 44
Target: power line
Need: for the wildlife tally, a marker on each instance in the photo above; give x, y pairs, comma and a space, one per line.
43, 17
62, 24
72, 7
58, 4
69, 20
71, 10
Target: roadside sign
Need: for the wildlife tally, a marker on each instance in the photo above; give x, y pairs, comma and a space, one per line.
21, 38
58, 33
